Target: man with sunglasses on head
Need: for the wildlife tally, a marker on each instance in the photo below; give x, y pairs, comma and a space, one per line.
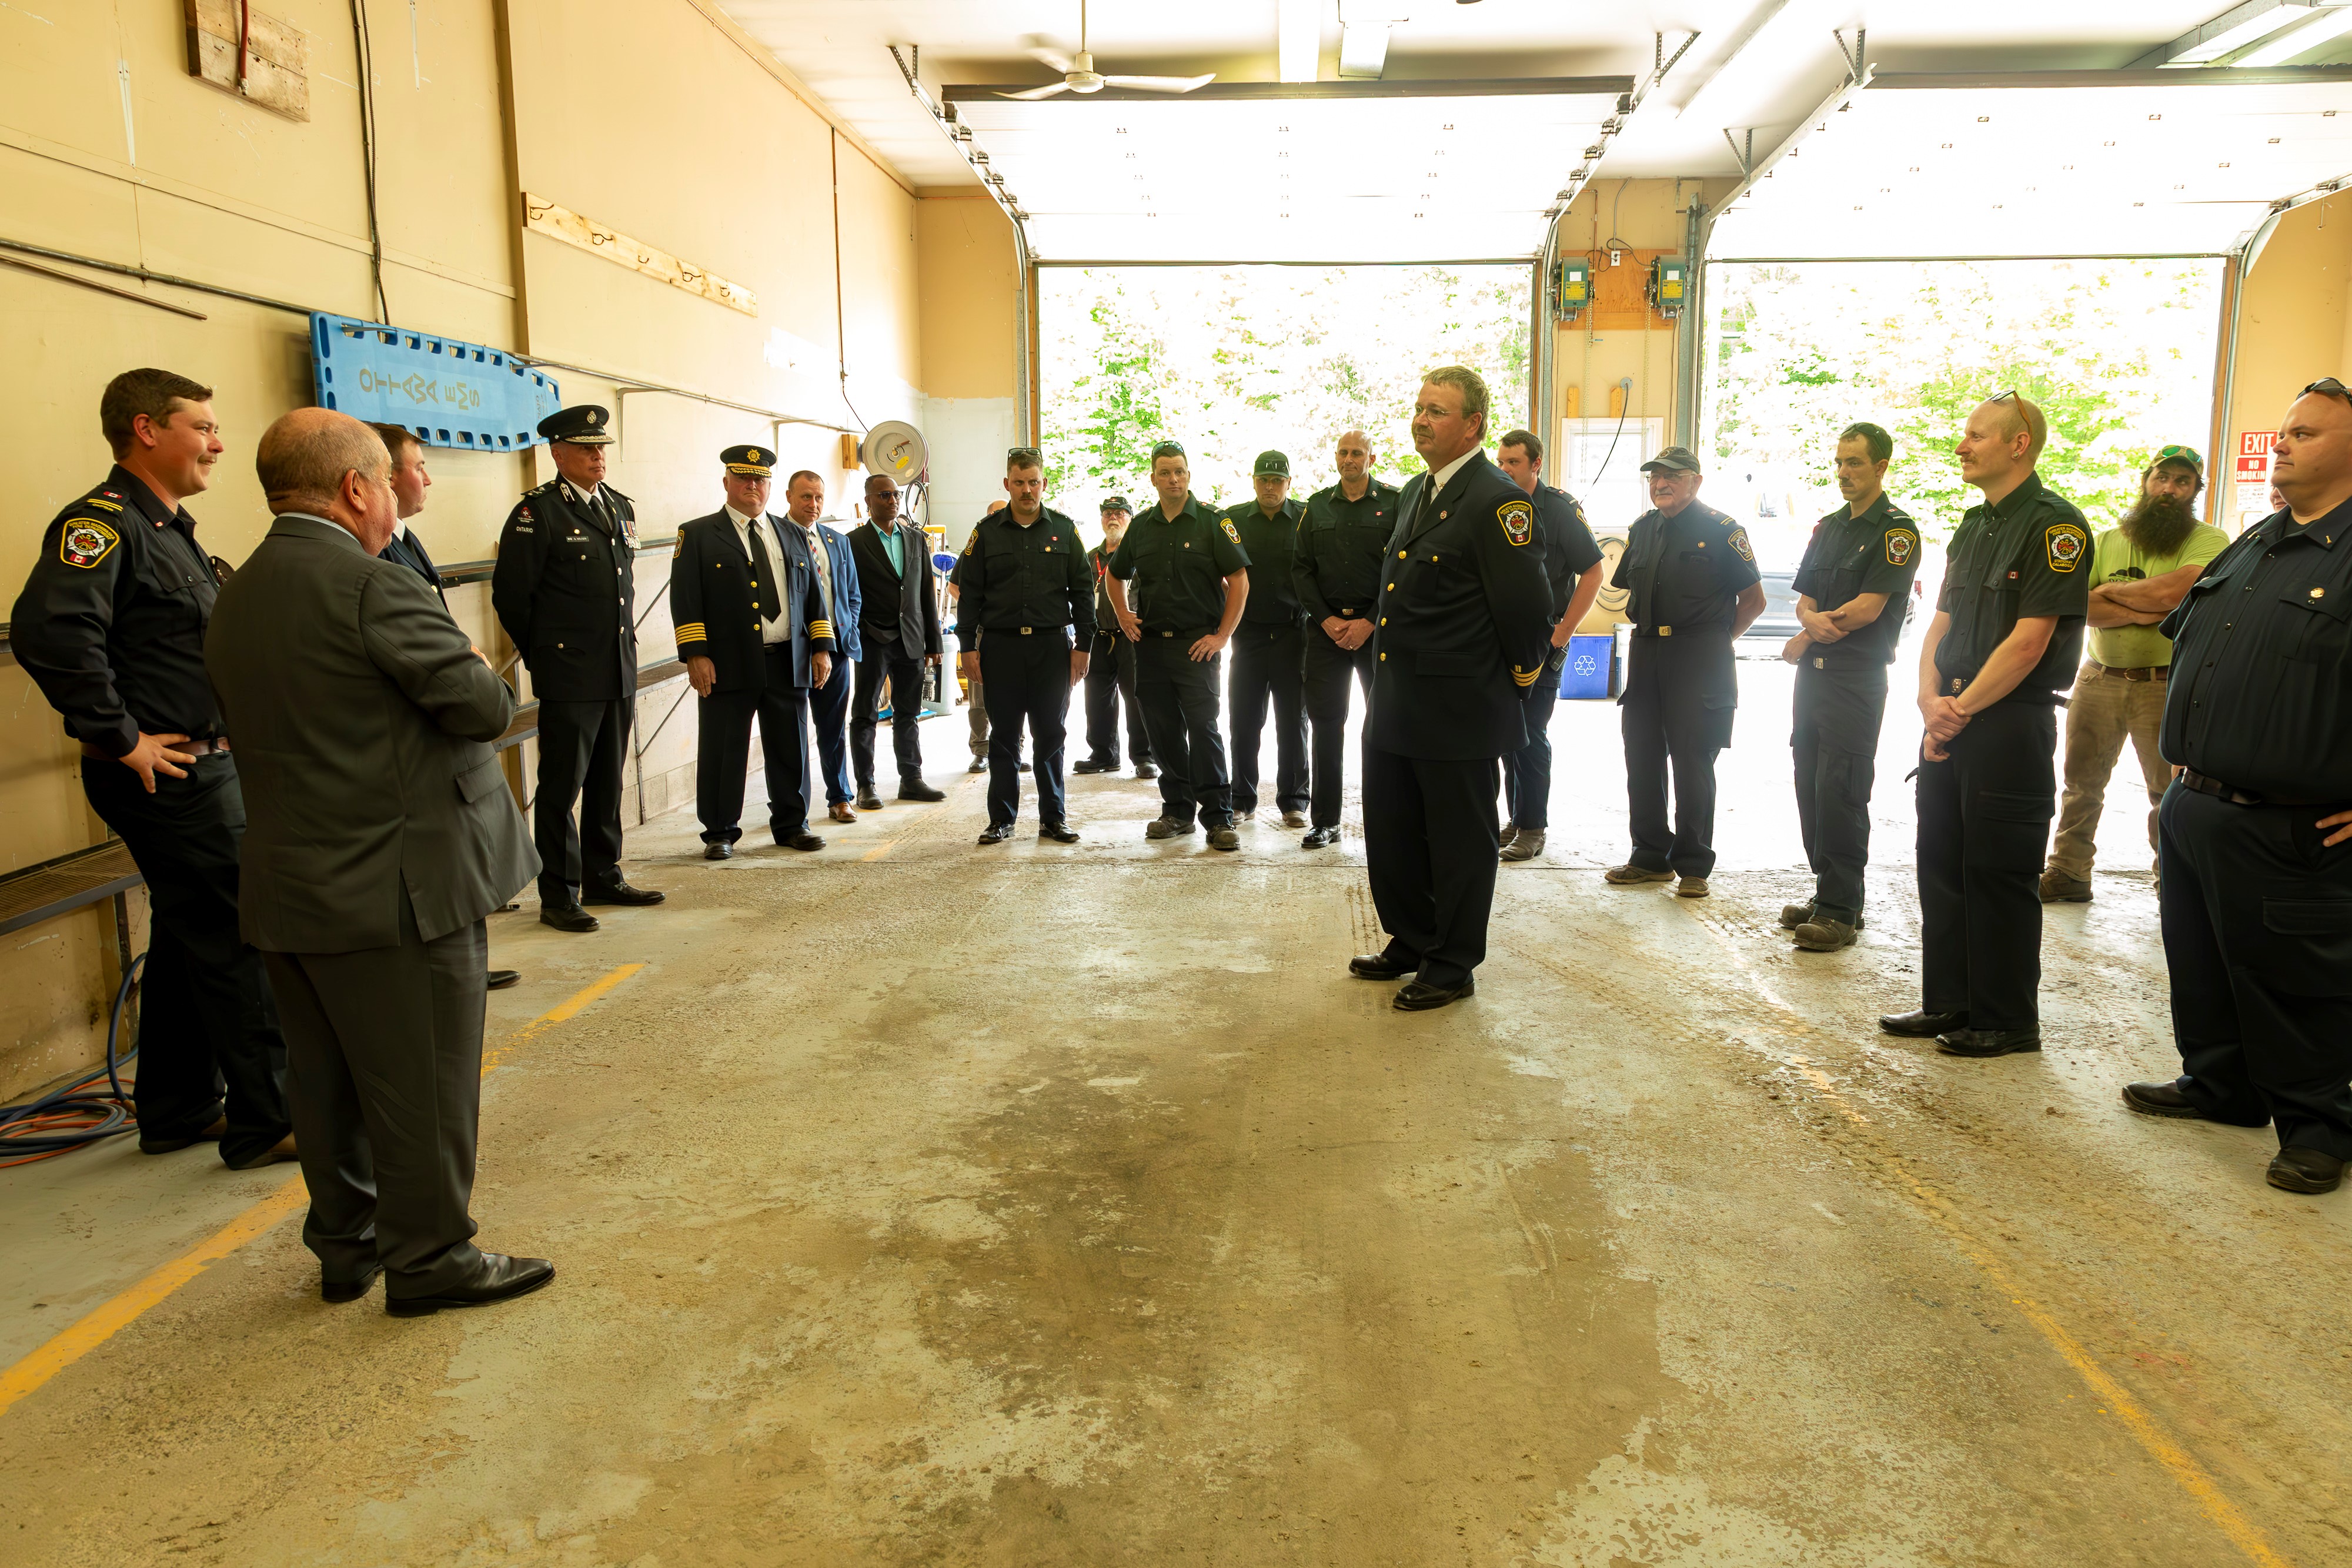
2256, 828
1026, 619
1993, 664
1179, 582
2139, 570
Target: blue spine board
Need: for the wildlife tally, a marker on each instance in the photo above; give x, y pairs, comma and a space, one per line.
453, 395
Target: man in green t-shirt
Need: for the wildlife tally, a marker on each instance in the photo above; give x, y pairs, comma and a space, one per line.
2140, 569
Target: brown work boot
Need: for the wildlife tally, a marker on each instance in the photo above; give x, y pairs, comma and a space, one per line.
1631, 875
2057, 888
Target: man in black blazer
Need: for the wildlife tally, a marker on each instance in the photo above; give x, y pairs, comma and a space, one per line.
1462, 626
566, 590
409, 483
751, 627
898, 630
380, 833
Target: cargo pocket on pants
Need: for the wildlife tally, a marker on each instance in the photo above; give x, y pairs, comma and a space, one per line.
2306, 950
1853, 775
2010, 830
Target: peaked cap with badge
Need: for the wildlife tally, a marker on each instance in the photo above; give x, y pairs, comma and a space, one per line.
752, 462
582, 424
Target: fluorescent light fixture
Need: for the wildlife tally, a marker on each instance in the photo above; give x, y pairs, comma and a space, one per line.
1298, 39
2332, 22
2232, 30
1363, 49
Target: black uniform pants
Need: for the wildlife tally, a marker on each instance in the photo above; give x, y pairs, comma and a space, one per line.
1527, 772
1323, 679
582, 747
386, 1079
722, 754
1984, 821
828, 712
1675, 718
1269, 662
884, 668
209, 1044
1025, 679
1179, 696
1430, 844
2258, 937
1835, 744
1110, 685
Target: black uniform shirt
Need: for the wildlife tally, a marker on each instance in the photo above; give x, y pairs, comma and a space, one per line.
565, 589
1272, 546
1685, 573
2261, 694
111, 621
1011, 577
1337, 569
1106, 619
1569, 549
1175, 568
2029, 556
1877, 552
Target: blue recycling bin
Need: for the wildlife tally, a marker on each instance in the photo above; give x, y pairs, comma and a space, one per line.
1586, 674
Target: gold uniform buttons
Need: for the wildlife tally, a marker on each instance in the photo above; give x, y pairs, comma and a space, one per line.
1400, 555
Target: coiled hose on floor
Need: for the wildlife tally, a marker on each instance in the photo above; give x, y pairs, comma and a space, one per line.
68, 1118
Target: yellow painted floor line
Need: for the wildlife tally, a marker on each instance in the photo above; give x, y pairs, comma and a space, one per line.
2145, 1429
103, 1322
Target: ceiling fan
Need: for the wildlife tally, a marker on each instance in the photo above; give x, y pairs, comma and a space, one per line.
1079, 74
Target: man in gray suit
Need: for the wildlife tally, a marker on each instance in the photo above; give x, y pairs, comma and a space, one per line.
380, 831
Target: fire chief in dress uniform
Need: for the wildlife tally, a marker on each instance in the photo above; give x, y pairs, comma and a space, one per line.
1463, 625
565, 589
750, 625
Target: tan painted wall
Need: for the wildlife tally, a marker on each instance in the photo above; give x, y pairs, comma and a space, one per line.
969, 286
2295, 323
654, 117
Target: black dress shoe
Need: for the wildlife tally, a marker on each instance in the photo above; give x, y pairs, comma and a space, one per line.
915, 789
173, 1145
1988, 1041
2167, 1099
1415, 997
1022, 767
995, 833
1922, 1025
2305, 1170
721, 850
1146, 770
1060, 832
801, 840
566, 917
620, 893
867, 800
1380, 966
1088, 764
341, 1290
1319, 838
500, 1279
499, 979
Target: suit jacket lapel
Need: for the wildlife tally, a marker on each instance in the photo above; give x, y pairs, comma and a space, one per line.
1428, 518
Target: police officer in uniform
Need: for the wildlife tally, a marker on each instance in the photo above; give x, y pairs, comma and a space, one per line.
565, 589
751, 624
1342, 533
2007, 633
1691, 574
1570, 563
1025, 620
1179, 582
1110, 666
1462, 623
111, 626
1853, 588
1270, 646
2256, 828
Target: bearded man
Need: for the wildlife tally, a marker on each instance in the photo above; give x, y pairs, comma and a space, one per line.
2140, 569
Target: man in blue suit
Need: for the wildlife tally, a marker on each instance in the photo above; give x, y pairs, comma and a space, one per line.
826, 551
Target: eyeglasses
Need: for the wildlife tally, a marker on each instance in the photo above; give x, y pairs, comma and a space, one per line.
2182, 455
1167, 449
2328, 386
1024, 456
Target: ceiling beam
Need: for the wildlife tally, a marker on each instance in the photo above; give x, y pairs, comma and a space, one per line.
2232, 30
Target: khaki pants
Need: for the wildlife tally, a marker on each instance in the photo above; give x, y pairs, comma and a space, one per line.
2106, 709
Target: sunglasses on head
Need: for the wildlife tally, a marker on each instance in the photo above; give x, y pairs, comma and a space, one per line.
1024, 455
2178, 454
1167, 449
2328, 386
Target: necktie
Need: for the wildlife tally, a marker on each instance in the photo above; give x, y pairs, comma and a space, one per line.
762, 576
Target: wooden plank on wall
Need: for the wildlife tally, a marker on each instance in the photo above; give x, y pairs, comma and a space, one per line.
277, 56
558, 221
1621, 293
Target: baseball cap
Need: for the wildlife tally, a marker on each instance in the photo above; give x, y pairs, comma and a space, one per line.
1272, 465
1673, 460
1117, 504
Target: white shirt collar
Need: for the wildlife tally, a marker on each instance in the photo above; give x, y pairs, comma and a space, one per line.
1444, 476
585, 497
399, 529
742, 520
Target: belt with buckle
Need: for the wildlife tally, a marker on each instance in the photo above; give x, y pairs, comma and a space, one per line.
2205, 784
184, 748
2134, 672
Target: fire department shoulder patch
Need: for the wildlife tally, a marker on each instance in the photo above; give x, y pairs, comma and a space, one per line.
1902, 544
1740, 542
1518, 520
1231, 532
85, 542
2065, 542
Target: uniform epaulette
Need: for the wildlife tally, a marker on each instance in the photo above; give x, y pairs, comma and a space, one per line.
617, 495
546, 489
105, 500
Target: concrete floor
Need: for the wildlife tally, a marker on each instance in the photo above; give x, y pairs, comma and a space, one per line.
918, 1204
